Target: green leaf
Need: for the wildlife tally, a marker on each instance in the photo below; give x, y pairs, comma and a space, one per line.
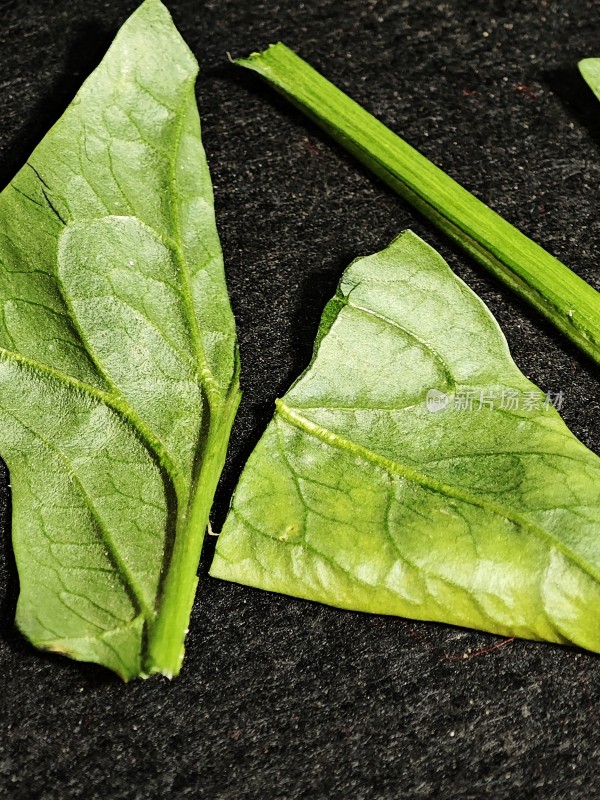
118, 359
590, 69
376, 488
564, 298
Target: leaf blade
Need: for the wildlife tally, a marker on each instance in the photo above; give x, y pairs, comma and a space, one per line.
116, 323
485, 519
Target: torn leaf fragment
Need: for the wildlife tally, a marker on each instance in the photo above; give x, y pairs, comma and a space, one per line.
413, 470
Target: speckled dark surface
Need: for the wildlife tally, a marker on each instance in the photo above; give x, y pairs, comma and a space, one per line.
280, 698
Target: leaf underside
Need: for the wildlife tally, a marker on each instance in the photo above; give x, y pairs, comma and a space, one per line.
590, 69
118, 360
360, 497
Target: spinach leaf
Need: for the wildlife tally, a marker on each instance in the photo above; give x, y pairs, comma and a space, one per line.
118, 359
413, 469
590, 69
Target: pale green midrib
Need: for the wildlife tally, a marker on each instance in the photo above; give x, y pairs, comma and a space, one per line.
124, 571
147, 437
586, 462
326, 436
164, 649
213, 391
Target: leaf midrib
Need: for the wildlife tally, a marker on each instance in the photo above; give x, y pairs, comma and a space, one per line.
211, 385
334, 440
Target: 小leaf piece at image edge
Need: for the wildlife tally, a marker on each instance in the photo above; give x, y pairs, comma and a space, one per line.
590, 69
414, 470
118, 359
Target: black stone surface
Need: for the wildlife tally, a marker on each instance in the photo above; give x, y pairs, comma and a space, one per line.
281, 698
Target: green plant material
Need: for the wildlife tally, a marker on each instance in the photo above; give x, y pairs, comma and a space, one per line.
413, 469
566, 300
118, 359
590, 69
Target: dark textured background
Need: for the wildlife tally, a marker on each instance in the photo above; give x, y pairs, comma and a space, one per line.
281, 698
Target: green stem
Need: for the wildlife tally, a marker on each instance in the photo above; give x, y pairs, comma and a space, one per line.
166, 635
560, 295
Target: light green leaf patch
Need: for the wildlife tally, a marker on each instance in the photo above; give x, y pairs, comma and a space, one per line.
590, 69
413, 469
118, 359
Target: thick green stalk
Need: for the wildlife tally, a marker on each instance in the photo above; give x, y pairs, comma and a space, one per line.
166, 636
564, 298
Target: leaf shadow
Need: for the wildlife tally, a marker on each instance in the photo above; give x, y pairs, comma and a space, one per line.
317, 288
568, 85
90, 41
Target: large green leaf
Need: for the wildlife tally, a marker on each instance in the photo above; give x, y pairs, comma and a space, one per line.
590, 69
413, 470
118, 360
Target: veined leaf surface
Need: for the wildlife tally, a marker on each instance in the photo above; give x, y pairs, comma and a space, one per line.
376, 487
118, 359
